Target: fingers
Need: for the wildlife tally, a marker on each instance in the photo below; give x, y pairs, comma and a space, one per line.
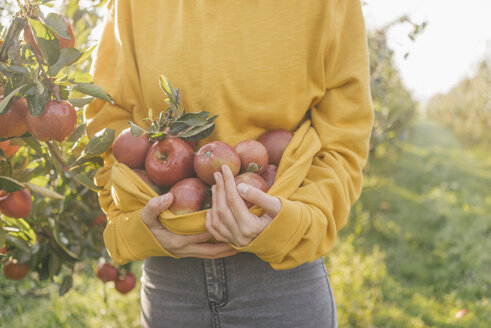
154, 207
235, 202
222, 219
267, 202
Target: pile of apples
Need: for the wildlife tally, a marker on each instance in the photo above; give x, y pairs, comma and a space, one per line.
172, 165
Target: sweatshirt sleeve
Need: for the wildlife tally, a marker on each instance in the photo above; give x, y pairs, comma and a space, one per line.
126, 236
307, 225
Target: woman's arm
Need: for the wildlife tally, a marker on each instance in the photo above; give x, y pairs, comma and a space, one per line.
307, 224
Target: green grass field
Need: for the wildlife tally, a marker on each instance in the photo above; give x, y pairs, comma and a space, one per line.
415, 251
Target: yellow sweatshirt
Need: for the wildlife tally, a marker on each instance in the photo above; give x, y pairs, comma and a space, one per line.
260, 65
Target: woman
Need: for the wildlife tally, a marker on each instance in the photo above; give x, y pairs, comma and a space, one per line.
260, 65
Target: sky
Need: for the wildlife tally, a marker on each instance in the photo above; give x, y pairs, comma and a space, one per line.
456, 39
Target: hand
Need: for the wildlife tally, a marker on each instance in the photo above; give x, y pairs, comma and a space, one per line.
181, 245
229, 219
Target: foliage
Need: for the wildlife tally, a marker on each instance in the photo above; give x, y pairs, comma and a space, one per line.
415, 250
60, 230
466, 108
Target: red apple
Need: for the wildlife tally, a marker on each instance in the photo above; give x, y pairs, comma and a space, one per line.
3, 249
269, 174
8, 149
14, 270
67, 43
253, 156
30, 40
210, 158
460, 313
126, 283
189, 196
57, 122
131, 150
13, 121
18, 204
144, 176
275, 142
100, 220
107, 272
254, 180
169, 161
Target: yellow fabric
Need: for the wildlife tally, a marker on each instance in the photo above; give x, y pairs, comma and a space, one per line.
259, 65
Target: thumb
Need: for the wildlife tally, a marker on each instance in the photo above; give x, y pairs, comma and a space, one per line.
155, 206
256, 196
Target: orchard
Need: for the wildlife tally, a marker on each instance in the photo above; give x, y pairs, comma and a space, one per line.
50, 217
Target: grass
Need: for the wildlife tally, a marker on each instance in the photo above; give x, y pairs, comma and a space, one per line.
416, 249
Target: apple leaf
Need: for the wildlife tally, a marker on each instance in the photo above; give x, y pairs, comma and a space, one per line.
198, 133
77, 133
4, 103
46, 40
194, 119
10, 185
57, 25
37, 100
67, 57
93, 90
253, 167
66, 284
80, 102
99, 143
44, 191
11, 71
54, 264
176, 127
136, 131
86, 181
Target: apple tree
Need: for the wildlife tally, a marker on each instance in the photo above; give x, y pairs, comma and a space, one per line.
50, 218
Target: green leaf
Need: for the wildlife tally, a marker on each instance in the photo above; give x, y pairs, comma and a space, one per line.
44, 191
93, 90
10, 185
4, 103
198, 133
66, 284
136, 131
176, 127
54, 264
77, 133
36, 101
86, 54
99, 143
194, 119
12, 70
33, 143
253, 167
63, 242
166, 86
46, 40
80, 102
57, 25
19, 243
2, 238
86, 181
67, 57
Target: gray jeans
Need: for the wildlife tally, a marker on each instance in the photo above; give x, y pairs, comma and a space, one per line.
240, 291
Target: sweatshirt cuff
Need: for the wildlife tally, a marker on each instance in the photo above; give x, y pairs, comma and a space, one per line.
272, 244
138, 241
